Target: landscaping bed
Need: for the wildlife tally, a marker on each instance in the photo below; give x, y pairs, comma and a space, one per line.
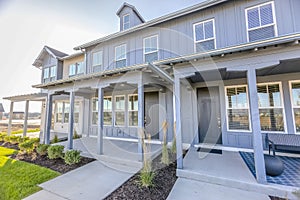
165, 177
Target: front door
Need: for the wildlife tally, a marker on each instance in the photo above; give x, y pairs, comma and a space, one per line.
209, 115
152, 114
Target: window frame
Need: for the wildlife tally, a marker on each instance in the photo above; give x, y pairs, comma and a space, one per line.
204, 40
292, 104
97, 64
119, 46
248, 107
144, 47
264, 26
115, 110
111, 111
282, 106
130, 110
94, 111
123, 24
76, 69
48, 74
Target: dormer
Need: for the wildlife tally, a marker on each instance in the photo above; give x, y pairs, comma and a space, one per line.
129, 17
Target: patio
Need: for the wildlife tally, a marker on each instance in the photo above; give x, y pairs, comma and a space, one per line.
225, 166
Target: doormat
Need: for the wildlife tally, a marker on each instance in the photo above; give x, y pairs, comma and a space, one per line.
207, 150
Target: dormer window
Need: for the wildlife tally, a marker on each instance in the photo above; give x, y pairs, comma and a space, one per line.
53, 73
46, 75
126, 22
261, 23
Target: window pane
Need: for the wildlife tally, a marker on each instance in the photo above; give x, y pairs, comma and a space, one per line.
120, 119
121, 52
274, 94
271, 119
199, 32
97, 58
296, 94
209, 30
95, 104
133, 118
297, 119
107, 103
266, 15
253, 18
67, 108
80, 68
46, 73
72, 70
53, 71
107, 118
262, 33
150, 44
126, 18
263, 96
238, 119
95, 118
205, 46
133, 103
241, 97
59, 117
231, 99
120, 103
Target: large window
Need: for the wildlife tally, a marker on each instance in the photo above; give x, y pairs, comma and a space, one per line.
107, 111
204, 35
126, 22
97, 61
119, 110
270, 107
76, 69
237, 108
95, 110
133, 110
151, 48
53, 73
120, 56
261, 22
295, 89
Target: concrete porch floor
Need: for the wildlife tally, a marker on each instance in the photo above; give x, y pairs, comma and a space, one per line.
227, 169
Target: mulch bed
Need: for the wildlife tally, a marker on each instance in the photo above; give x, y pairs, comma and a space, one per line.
55, 164
165, 177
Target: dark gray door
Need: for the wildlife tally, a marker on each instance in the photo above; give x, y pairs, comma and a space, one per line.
209, 115
152, 114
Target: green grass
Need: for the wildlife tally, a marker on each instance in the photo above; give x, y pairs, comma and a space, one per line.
20, 179
21, 131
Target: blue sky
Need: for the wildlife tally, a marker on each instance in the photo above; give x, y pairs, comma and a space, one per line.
26, 26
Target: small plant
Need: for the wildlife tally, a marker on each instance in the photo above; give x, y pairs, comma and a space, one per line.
72, 157
165, 152
55, 139
2, 135
23, 139
55, 151
27, 146
14, 139
42, 149
76, 135
6, 138
36, 141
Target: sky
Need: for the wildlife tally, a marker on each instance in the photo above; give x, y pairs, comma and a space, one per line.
27, 25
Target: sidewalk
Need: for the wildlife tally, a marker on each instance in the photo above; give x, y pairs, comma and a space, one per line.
93, 181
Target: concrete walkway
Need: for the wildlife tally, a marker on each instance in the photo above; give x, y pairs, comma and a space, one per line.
196, 190
93, 181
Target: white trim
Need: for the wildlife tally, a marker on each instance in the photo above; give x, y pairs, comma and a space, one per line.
127, 22
292, 104
157, 45
204, 40
274, 19
248, 108
282, 106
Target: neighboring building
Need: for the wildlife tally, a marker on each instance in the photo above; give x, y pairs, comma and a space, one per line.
18, 115
232, 66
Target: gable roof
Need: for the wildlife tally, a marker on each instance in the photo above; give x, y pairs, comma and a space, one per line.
125, 4
179, 13
48, 50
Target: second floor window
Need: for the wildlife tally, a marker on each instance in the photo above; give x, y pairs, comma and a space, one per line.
126, 22
97, 61
76, 69
204, 35
52, 73
120, 56
151, 48
46, 75
261, 22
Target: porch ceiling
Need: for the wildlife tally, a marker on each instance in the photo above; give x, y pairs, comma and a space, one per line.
29, 97
285, 66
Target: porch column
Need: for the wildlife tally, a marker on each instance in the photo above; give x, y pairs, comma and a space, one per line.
141, 123
11, 112
48, 119
256, 131
177, 94
26, 118
71, 120
100, 121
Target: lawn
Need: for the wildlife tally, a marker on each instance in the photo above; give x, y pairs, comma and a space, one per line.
20, 179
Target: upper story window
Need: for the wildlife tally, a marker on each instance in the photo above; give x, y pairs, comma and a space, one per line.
270, 106
151, 48
261, 23
204, 35
46, 75
126, 22
120, 56
49, 74
97, 61
76, 69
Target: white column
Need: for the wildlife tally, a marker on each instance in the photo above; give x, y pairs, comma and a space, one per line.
256, 131
48, 119
141, 122
177, 94
11, 112
100, 121
71, 120
26, 118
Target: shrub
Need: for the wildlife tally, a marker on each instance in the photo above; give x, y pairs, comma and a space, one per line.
42, 149
23, 139
14, 139
76, 136
55, 151
72, 157
7, 138
27, 146
36, 141
2, 135
147, 178
55, 139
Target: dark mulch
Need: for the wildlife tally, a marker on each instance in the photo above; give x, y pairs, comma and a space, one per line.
165, 177
9, 145
276, 198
